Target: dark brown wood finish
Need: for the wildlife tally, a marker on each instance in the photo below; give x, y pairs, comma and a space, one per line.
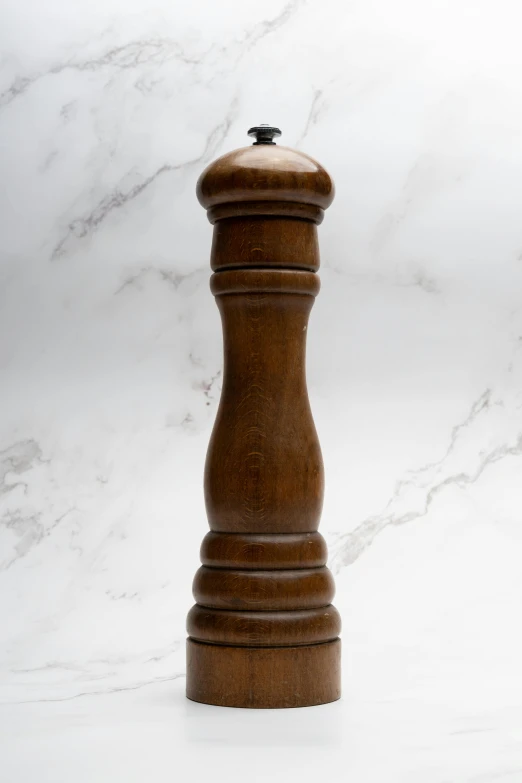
263, 632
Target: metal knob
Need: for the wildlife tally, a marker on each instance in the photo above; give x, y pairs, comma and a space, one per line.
264, 134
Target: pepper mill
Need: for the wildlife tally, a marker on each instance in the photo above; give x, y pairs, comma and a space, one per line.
263, 631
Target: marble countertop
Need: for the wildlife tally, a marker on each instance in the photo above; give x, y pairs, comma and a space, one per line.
431, 687
151, 731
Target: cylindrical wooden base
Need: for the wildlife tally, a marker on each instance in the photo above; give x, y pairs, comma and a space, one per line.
264, 677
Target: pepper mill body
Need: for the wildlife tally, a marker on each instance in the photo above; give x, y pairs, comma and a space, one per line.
263, 632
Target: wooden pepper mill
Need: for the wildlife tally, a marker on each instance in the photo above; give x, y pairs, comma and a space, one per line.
263, 632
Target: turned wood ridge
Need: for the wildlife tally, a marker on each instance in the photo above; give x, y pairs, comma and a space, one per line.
263, 632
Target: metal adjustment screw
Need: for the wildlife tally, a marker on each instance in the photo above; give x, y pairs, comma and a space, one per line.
264, 134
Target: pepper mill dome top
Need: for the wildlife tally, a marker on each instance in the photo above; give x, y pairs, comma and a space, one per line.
265, 172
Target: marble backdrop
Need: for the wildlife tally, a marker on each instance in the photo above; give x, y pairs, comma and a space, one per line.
110, 342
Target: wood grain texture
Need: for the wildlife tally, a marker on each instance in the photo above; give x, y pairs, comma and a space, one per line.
267, 242
271, 173
263, 632
267, 629
264, 468
263, 551
256, 209
264, 677
304, 588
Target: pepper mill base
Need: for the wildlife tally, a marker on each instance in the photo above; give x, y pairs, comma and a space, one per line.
264, 677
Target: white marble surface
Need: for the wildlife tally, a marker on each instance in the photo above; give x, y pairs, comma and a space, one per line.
110, 356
